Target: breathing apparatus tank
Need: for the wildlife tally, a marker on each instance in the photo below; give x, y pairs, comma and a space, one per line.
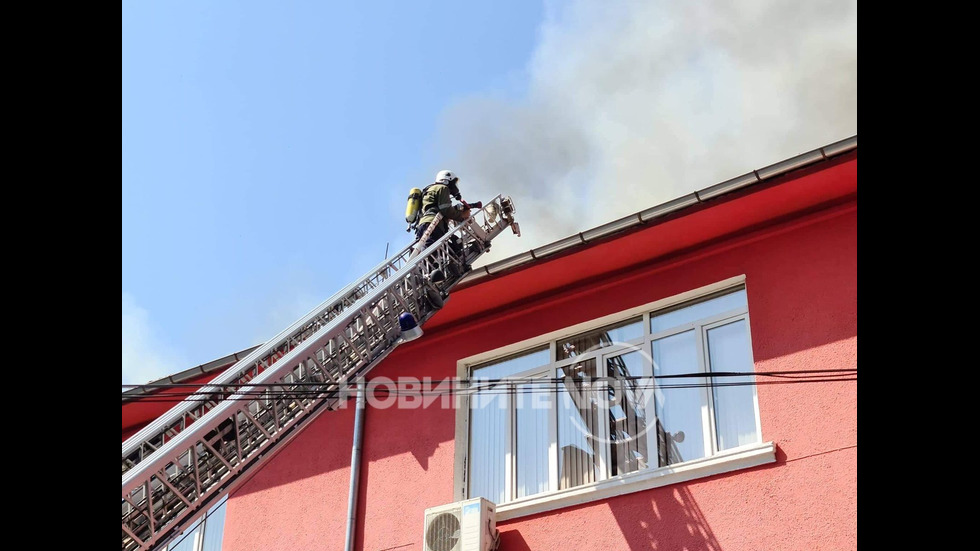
414, 204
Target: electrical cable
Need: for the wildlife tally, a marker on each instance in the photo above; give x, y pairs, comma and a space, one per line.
488, 386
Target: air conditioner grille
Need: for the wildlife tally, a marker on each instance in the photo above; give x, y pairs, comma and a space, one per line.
443, 533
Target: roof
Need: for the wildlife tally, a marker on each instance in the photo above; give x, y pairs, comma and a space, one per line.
795, 190
212, 367
645, 216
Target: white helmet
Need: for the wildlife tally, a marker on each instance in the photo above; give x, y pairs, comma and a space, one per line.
446, 176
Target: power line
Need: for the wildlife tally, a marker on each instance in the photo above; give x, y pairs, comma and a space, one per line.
511, 379
493, 386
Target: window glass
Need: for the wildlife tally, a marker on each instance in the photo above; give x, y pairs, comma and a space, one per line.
729, 350
214, 528
188, 540
678, 400
488, 443
512, 365
578, 419
627, 413
660, 321
614, 412
533, 406
611, 334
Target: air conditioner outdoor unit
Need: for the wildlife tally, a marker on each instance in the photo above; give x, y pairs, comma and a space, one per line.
469, 525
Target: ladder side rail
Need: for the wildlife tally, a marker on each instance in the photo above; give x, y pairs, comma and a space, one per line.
422, 265
330, 337
185, 471
174, 460
196, 405
214, 494
252, 421
248, 367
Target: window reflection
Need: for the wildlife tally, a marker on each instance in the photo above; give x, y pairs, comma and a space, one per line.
595, 401
627, 413
689, 313
578, 419
600, 338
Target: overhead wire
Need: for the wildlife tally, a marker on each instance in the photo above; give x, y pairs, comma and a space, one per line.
483, 386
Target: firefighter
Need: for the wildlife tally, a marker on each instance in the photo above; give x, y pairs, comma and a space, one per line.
437, 197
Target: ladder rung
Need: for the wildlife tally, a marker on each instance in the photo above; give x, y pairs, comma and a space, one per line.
197, 451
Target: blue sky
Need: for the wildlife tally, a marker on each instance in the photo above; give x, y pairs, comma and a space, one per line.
268, 148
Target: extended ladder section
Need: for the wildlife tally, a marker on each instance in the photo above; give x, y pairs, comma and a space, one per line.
175, 468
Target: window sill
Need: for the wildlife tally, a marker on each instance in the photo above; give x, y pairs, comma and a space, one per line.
740, 458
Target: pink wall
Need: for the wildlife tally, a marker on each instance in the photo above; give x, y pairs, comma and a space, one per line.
802, 293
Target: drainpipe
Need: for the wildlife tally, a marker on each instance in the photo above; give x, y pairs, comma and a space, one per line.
355, 467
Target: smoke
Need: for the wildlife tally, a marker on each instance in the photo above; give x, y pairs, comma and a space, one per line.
631, 104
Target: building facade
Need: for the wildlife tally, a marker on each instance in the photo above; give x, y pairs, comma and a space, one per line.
683, 378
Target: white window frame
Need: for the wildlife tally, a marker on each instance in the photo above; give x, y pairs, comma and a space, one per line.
200, 528
742, 457
647, 373
721, 320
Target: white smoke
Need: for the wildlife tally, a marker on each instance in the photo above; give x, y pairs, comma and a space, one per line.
631, 104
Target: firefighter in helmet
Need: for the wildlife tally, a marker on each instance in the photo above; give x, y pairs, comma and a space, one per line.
437, 198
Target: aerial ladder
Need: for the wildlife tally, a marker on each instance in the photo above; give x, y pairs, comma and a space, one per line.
184, 462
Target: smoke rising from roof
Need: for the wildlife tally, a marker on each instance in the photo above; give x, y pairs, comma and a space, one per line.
631, 104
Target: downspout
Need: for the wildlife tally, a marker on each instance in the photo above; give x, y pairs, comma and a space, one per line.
355, 467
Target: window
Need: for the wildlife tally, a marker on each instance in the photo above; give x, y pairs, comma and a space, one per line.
204, 534
632, 396
703, 415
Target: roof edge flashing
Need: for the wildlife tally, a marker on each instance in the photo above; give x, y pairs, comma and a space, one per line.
558, 246
668, 207
181, 376
475, 275
508, 263
738, 182
610, 228
842, 146
789, 165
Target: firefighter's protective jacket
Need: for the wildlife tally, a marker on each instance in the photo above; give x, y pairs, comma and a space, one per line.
437, 198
